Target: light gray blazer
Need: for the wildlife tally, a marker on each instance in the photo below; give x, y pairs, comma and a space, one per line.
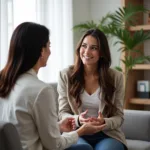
68, 107
31, 106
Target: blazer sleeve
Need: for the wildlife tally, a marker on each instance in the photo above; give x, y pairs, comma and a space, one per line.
117, 120
65, 109
45, 116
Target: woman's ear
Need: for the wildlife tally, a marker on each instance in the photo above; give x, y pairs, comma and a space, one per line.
42, 53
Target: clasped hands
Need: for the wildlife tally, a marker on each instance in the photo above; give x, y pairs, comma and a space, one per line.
83, 119
68, 124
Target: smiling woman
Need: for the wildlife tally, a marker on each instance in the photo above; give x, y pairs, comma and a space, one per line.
90, 91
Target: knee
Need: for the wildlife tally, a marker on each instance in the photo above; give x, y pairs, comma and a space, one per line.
108, 144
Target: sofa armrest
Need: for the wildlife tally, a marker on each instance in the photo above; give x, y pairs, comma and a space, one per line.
136, 125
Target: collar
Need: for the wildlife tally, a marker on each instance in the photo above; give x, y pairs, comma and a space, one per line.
32, 72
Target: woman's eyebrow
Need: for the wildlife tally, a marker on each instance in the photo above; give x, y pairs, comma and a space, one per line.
95, 45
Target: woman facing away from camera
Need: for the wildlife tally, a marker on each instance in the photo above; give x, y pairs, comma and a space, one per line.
29, 103
91, 91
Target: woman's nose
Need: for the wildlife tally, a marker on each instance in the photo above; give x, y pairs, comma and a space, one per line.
87, 50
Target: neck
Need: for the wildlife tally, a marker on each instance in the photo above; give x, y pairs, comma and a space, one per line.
90, 71
36, 68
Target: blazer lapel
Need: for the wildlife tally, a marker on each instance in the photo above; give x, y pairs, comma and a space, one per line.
74, 106
102, 104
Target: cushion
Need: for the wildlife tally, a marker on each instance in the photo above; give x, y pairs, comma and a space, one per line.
136, 125
9, 138
138, 145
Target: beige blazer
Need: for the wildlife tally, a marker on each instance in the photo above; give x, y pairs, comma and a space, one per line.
68, 107
31, 106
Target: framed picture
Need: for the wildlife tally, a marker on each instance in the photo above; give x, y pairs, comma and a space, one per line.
143, 88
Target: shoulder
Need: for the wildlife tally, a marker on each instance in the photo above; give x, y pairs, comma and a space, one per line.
67, 70
115, 73
38, 87
28, 90
31, 87
116, 76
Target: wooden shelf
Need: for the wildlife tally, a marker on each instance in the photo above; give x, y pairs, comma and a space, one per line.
139, 27
142, 67
140, 101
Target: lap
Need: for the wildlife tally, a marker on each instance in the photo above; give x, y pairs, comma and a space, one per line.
109, 143
99, 141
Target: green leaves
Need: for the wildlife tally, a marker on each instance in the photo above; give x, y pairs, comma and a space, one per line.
128, 40
82, 27
139, 37
123, 17
85, 26
118, 68
130, 62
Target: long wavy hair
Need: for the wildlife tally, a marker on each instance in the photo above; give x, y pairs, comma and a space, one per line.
106, 82
26, 45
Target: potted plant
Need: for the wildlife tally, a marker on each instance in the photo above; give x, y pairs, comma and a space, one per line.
117, 25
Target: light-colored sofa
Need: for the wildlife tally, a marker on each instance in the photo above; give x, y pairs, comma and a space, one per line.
136, 127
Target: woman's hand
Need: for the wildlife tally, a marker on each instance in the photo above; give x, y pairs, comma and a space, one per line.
93, 125
90, 128
82, 118
67, 125
99, 119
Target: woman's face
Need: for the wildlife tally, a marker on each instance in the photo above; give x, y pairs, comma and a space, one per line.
89, 51
45, 54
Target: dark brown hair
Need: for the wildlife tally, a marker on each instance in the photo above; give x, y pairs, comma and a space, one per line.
105, 80
25, 49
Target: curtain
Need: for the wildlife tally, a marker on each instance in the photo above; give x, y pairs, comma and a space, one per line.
54, 14
3, 32
58, 17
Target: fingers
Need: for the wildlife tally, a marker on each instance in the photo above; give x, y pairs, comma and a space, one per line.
82, 118
95, 123
100, 128
84, 113
92, 119
100, 115
85, 120
70, 118
101, 118
91, 128
72, 123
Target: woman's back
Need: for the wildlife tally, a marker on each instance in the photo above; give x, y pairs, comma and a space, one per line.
21, 108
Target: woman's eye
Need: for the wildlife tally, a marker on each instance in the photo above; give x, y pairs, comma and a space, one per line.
94, 48
84, 46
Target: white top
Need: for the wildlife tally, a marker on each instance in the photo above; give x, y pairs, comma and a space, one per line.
91, 102
31, 106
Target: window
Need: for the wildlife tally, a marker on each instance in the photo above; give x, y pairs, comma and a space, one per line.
54, 14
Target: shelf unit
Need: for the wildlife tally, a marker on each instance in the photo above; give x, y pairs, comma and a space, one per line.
142, 67
139, 27
137, 73
140, 101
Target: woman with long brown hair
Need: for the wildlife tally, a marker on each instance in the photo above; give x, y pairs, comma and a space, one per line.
91, 91
29, 103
